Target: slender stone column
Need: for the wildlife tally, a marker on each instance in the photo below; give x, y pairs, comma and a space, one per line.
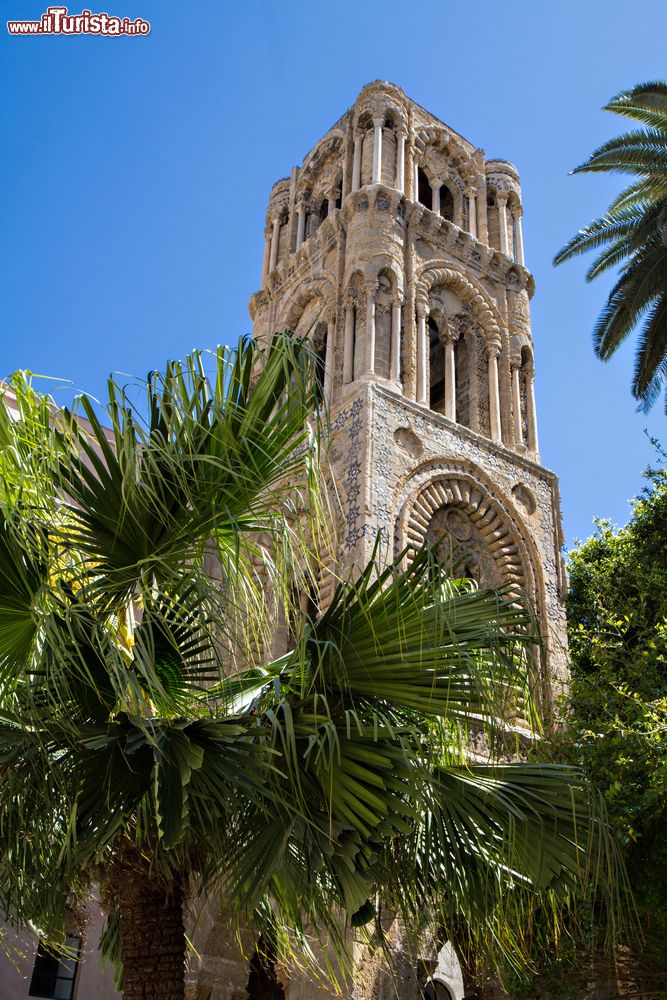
482, 213
450, 377
435, 198
395, 369
531, 415
370, 328
275, 241
331, 200
516, 402
356, 163
422, 396
492, 352
301, 224
400, 161
501, 203
472, 212
518, 249
266, 258
328, 359
378, 122
348, 345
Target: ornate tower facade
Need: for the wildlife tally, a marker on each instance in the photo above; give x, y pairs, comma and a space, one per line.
398, 248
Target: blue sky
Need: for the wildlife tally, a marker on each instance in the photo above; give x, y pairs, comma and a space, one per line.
135, 174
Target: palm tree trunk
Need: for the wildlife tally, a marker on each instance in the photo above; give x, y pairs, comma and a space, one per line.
153, 935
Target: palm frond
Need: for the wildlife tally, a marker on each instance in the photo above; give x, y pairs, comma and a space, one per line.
640, 283
646, 102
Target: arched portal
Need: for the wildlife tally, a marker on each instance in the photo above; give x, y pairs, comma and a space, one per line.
470, 529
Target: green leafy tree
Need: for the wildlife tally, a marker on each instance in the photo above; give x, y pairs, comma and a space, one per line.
617, 612
632, 235
615, 729
147, 745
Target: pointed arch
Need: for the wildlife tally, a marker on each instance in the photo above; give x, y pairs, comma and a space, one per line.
293, 309
435, 273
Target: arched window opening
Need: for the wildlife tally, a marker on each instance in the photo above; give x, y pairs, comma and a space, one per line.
493, 220
324, 210
436, 367
357, 297
424, 192
339, 194
383, 320
283, 238
434, 990
462, 367
446, 203
308, 225
526, 365
366, 132
320, 347
263, 983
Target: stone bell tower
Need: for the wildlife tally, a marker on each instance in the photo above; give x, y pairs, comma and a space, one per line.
397, 247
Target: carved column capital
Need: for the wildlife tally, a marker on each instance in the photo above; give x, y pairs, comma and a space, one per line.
492, 350
378, 120
501, 198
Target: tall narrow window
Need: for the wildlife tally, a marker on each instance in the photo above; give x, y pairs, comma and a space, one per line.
54, 975
263, 983
320, 345
425, 194
436, 367
446, 203
462, 366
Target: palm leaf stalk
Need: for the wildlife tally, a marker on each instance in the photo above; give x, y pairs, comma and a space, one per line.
146, 746
632, 235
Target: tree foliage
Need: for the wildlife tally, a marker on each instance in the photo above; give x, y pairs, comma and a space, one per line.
617, 613
614, 726
148, 742
632, 235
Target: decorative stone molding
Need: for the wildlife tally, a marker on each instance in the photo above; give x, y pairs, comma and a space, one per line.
464, 288
485, 520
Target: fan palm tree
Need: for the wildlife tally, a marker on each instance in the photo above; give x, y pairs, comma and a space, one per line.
633, 234
145, 744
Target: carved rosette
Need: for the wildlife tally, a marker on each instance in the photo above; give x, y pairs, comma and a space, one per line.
458, 516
